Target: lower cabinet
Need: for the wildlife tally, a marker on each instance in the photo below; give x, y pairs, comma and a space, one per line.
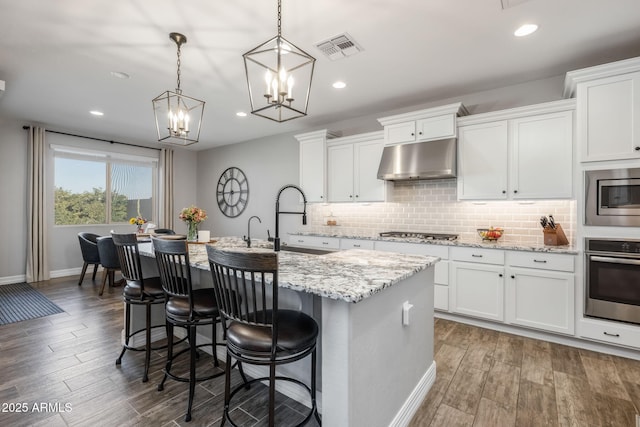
477, 290
541, 299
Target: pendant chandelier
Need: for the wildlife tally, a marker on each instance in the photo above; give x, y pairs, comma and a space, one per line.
279, 78
178, 117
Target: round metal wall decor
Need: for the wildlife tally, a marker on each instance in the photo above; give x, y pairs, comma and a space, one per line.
232, 192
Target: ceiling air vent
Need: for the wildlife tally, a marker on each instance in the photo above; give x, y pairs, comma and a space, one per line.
506, 4
339, 46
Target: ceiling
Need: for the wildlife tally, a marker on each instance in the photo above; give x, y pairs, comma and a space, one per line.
57, 56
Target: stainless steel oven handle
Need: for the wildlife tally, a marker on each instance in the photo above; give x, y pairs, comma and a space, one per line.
614, 260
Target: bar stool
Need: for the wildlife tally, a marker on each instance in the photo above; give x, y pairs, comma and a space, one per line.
138, 291
185, 307
257, 331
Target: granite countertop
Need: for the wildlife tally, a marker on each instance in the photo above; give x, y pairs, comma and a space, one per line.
350, 275
567, 249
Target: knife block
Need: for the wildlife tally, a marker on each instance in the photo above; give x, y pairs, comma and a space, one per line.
555, 237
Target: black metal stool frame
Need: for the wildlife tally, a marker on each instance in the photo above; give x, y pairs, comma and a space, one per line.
172, 257
131, 269
235, 273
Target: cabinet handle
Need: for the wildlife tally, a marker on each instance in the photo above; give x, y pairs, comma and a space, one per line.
543, 261
419, 133
350, 196
476, 256
515, 191
322, 197
499, 274
504, 191
513, 276
356, 246
357, 196
612, 335
637, 148
413, 134
325, 243
300, 241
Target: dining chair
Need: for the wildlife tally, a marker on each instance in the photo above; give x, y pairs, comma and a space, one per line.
163, 231
89, 249
258, 332
109, 261
139, 290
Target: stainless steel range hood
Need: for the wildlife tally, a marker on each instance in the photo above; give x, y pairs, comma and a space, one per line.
421, 160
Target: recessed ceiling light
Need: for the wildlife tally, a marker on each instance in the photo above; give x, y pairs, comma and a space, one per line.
120, 75
525, 30
339, 85
241, 114
96, 113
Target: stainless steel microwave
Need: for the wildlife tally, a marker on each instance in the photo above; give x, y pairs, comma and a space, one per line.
612, 197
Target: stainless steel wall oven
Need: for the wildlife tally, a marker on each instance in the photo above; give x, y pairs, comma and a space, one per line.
613, 279
612, 197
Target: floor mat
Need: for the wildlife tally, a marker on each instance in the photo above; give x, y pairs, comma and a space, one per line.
20, 302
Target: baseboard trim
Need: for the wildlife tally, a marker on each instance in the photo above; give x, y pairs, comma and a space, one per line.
9, 280
413, 402
54, 274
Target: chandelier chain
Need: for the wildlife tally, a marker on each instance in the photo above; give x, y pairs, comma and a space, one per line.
178, 62
279, 18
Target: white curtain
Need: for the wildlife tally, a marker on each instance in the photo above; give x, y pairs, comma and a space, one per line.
166, 173
37, 253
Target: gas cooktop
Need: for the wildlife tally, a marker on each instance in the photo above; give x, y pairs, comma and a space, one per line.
417, 235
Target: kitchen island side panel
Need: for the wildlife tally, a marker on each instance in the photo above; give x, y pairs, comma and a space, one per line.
371, 362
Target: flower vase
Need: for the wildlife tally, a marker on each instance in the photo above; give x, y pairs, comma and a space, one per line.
192, 232
139, 229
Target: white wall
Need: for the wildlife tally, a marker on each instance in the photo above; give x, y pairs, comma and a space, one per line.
13, 201
268, 164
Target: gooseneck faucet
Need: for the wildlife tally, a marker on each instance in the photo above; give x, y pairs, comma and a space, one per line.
247, 238
276, 240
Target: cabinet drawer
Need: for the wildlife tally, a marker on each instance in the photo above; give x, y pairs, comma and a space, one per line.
541, 261
315, 242
356, 244
609, 332
478, 255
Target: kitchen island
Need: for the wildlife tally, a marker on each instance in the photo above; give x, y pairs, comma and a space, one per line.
375, 311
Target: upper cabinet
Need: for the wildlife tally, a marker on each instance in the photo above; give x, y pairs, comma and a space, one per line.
608, 110
522, 153
353, 167
313, 164
423, 125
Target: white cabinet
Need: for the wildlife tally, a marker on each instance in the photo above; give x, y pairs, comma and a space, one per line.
423, 125
477, 283
441, 269
356, 244
483, 161
541, 164
610, 332
315, 242
541, 300
353, 168
527, 155
540, 291
313, 164
608, 110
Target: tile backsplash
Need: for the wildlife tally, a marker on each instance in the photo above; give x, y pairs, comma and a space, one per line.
432, 206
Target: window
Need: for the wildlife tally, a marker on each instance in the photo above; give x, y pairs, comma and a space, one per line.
102, 188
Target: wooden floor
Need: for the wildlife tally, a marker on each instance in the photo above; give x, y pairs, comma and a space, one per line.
489, 378
61, 370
